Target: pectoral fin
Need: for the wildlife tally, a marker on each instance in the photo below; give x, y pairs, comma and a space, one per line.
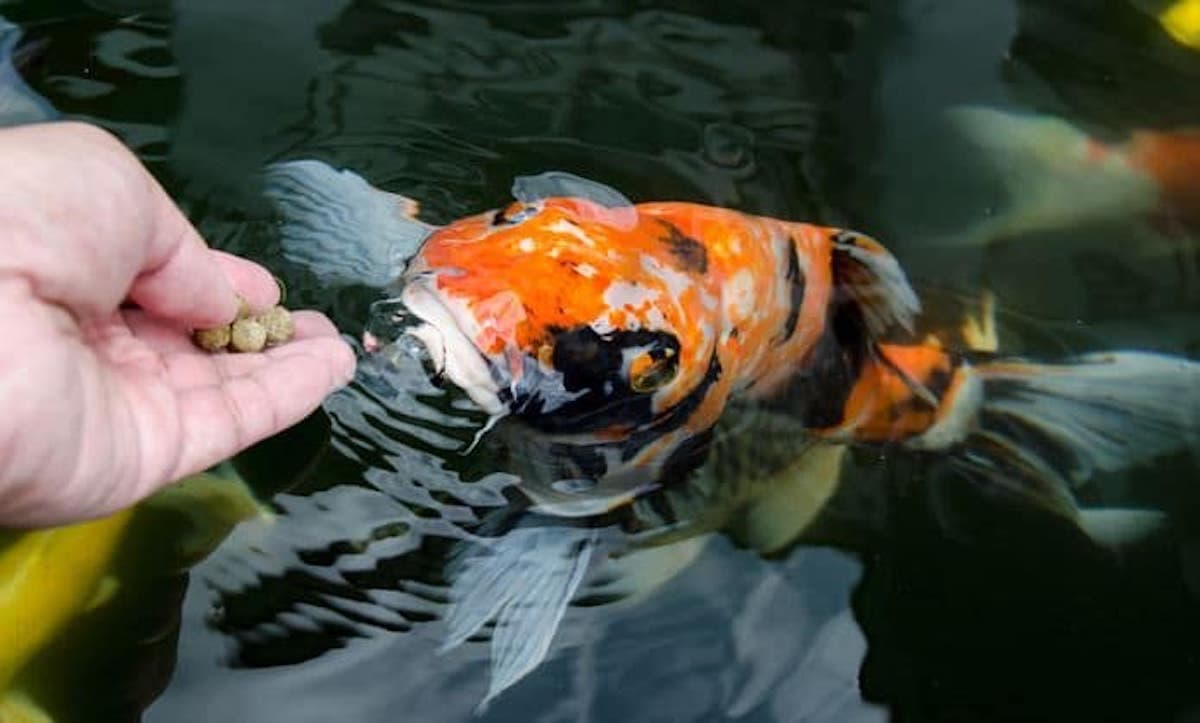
342, 228
868, 274
19, 104
524, 581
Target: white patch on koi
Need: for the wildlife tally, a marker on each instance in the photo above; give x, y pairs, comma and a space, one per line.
740, 296
626, 295
655, 318
677, 282
700, 353
526, 245
781, 245
498, 315
570, 229
587, 271
956, 423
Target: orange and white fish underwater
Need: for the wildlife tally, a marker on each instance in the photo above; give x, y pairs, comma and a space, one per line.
1057, 176
610, 339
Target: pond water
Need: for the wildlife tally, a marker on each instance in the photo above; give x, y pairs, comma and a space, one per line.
947, 605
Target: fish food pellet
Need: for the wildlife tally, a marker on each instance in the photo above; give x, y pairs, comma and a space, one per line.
214, 339
278, 324
248, 336
250, 332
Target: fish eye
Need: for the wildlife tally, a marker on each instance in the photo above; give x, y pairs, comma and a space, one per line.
578, 380
515, 213
653, 370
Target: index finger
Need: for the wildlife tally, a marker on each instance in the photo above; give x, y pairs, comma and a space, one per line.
195, 283
88, 226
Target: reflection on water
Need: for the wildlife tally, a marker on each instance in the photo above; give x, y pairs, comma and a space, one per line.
964, 608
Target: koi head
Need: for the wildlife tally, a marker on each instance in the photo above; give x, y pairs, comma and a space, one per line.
588, 323
580, 320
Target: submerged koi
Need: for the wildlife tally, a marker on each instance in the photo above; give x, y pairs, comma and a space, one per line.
1057, 176
614, 336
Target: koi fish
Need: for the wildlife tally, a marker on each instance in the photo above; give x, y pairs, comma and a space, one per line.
1057, 176
610, 339
67, 573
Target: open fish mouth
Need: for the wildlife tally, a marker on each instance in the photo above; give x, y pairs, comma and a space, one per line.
454, 353
420, 323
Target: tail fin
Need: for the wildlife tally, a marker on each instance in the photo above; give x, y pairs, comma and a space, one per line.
1045, 428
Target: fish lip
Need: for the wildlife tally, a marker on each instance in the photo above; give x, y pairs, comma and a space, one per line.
454, 353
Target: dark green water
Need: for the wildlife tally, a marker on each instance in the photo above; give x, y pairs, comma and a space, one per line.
824, 111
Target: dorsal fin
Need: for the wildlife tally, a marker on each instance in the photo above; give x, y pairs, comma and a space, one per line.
869, 276
553, 184
616, 210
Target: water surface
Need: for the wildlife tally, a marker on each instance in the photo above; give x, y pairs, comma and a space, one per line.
825, 111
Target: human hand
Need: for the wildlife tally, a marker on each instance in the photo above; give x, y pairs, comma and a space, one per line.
102, 403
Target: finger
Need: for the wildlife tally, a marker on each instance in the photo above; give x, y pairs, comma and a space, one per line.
218, 421
86, 222
335, 354
165, 337
255, 284
181, 278
312, 323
